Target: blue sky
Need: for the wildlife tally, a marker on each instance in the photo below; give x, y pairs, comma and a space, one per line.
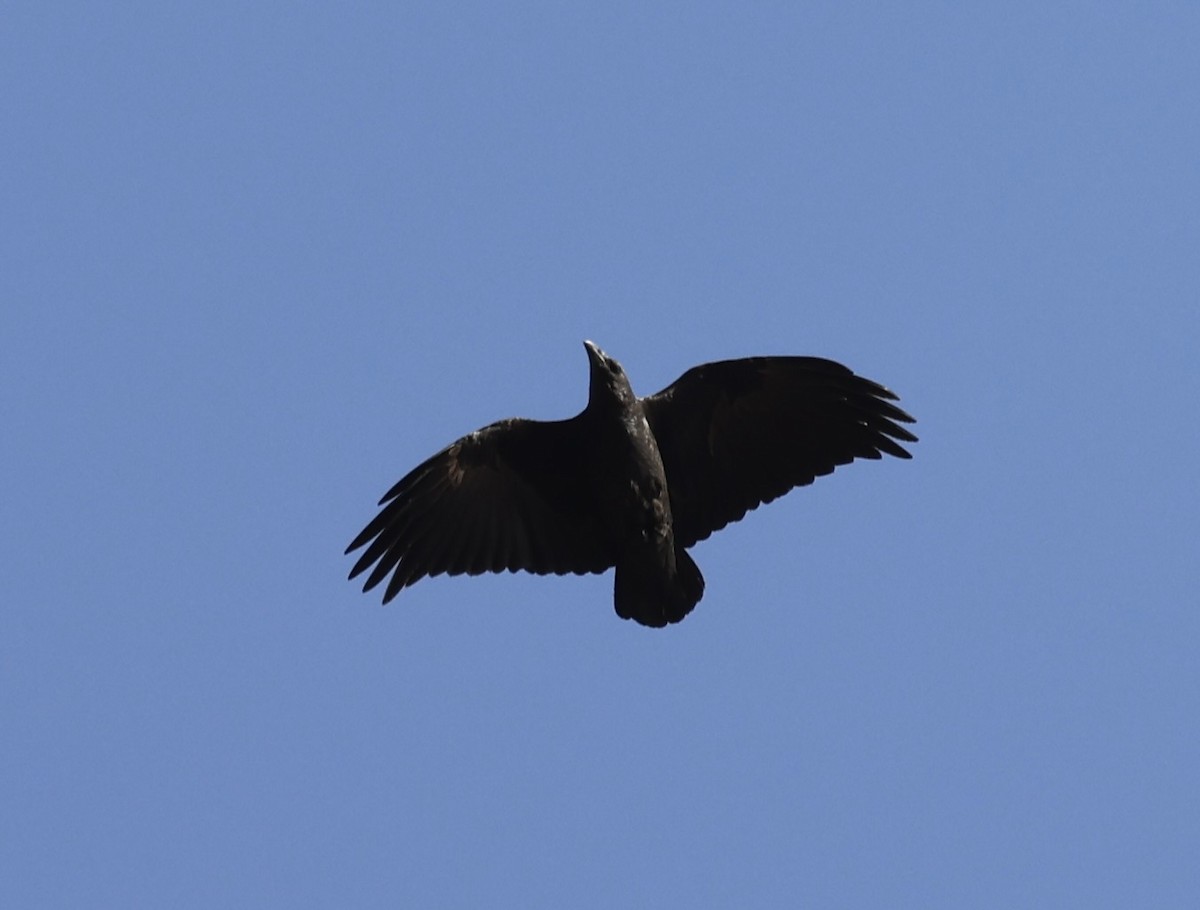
260, 260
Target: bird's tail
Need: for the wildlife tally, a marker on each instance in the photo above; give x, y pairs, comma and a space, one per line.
655, 589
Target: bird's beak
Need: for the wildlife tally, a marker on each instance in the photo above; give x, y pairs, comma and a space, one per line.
595, 355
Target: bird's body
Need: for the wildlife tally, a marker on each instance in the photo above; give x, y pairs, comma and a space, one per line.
629, 482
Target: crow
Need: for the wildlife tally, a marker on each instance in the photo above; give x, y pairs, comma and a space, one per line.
629, 482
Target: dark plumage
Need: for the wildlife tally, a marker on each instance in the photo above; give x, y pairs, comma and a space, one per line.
629, 482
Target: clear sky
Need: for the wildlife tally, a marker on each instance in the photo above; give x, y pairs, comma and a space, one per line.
261, 259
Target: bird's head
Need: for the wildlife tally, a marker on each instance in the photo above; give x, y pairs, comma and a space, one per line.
608, 382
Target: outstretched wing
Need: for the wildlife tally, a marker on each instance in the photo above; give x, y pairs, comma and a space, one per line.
512, 495
738, 433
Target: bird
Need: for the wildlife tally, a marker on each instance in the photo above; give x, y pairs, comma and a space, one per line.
629, 483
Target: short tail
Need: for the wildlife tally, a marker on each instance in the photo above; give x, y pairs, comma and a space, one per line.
656, 591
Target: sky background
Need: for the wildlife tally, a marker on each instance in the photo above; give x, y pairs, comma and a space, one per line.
261, 259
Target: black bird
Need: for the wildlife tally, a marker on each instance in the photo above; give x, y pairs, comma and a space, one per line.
629, 482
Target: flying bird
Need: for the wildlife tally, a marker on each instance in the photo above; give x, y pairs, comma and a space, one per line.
629, 482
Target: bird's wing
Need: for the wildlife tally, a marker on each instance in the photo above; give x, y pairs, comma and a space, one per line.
512, 495
738, 433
